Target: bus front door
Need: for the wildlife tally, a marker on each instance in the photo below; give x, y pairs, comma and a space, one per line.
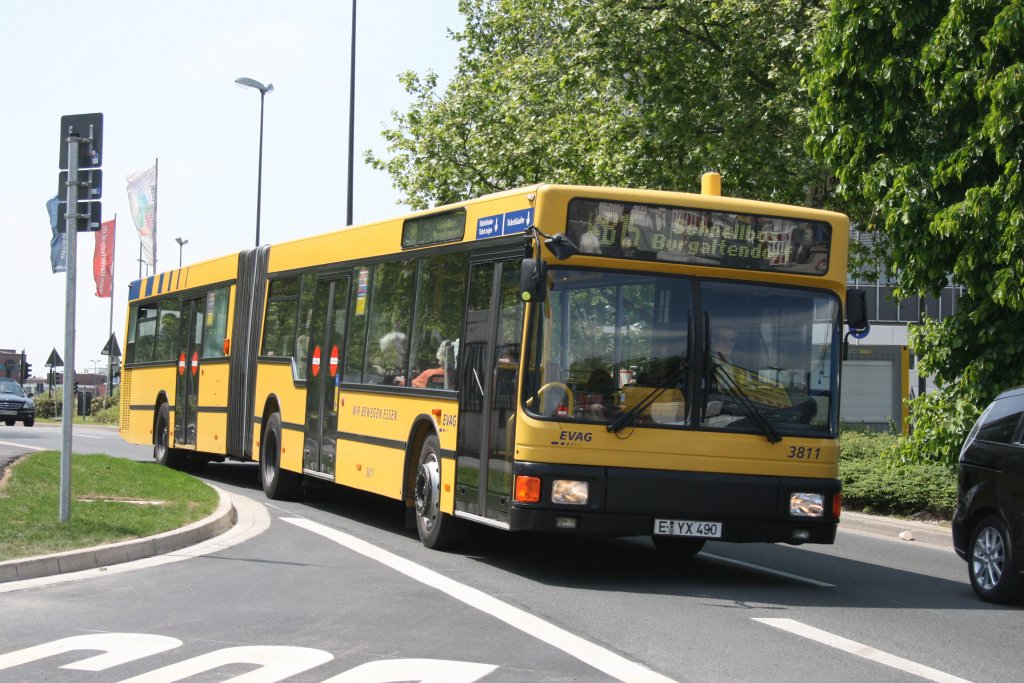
190, 341
487, 396
323, 375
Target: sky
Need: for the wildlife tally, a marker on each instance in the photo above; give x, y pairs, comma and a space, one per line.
162, 74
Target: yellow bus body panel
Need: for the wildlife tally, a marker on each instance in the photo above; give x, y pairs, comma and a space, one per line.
673, 450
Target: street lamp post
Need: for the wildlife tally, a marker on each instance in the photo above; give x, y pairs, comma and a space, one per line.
182, 243
264, 89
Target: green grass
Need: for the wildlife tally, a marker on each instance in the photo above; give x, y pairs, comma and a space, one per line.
111, 500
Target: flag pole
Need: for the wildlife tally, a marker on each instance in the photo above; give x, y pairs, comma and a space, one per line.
113, 271
156, 191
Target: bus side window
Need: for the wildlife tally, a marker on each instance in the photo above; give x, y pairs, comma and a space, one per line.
438, 321
387, 353
167, 334
216, 324
279, 322
305, 321
355, 354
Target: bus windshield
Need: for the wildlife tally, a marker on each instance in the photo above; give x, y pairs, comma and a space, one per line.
625, 350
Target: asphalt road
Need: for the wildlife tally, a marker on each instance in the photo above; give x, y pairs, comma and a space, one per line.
335, 582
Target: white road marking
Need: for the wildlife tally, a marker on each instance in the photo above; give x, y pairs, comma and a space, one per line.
118, 648
21, 445
590, 654
768, 570
277, 662
861, 650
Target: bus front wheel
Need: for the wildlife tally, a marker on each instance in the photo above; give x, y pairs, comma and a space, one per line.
436, 529
278, 484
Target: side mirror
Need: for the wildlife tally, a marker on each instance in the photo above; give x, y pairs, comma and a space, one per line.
856, 317
561, 246
533, 280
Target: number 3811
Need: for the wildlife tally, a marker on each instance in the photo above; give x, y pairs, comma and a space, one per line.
804, 453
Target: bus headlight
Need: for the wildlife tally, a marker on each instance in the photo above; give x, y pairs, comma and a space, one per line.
806, 505
570, 492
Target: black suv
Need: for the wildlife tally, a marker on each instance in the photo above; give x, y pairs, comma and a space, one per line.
14, 404
988, 525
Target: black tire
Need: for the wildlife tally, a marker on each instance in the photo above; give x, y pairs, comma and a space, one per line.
162, 451
29, 422
677, 547
437, 530
278, 484
991, 564
9, 423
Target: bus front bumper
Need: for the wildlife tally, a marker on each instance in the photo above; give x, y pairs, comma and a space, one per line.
626, 502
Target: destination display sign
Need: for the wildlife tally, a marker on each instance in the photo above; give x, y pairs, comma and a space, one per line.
648, 232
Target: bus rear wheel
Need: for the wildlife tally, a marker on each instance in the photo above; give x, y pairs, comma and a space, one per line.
278, 484
162, 451
437, 530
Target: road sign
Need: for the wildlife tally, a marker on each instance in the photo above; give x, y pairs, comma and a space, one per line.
54, 361
90, 183
111, 348
86, 126
90, 216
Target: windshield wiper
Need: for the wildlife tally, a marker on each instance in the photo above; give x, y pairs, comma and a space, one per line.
630, 416
730, 384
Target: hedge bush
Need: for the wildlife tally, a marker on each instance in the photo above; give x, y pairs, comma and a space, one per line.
877, 480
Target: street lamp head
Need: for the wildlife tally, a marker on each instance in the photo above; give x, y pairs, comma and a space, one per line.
180, 241
252, 83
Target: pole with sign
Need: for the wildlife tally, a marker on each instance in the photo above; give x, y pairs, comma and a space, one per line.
81, 147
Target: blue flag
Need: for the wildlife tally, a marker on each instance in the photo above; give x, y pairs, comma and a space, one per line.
58, 241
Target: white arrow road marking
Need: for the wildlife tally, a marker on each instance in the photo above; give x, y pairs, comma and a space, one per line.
861, 650
593, 655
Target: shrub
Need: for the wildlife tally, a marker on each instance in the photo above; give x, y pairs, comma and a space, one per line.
875, 479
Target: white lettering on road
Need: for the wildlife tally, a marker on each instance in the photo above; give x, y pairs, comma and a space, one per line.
416, 670
593, 655
277, 662
865, 651
118, 648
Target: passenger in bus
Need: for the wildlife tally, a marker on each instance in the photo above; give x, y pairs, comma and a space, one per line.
395, 345
597, 397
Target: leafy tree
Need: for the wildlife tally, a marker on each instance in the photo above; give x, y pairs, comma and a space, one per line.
918, 110
645, 93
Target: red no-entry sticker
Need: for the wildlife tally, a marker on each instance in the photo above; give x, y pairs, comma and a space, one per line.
316, 361
334, 360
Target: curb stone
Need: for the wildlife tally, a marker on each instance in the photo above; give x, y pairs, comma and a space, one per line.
901, 530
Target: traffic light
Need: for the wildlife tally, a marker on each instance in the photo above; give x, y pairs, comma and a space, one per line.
76, 387
26, 372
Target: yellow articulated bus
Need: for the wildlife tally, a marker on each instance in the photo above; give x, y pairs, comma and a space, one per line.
553, 358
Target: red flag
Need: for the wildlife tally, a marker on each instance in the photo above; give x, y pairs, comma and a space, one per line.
103, 259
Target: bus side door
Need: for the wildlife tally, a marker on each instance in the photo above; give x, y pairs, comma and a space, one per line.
487, 396
190, 342
323, 374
